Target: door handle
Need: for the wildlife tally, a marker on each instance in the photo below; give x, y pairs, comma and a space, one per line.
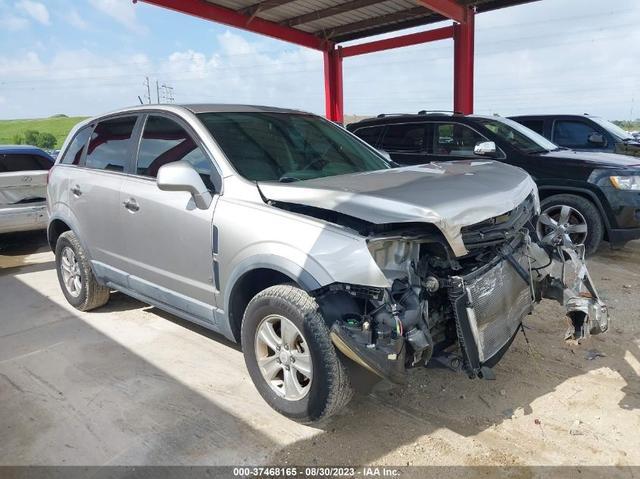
131, 204
76, 190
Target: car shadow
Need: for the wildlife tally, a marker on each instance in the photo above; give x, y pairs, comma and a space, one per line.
73, 395
17, 244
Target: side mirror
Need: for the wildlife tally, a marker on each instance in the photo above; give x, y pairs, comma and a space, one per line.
596, 139
485, 148
385, 154
181, 176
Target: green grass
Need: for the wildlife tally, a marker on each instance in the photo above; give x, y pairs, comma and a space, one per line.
59, 127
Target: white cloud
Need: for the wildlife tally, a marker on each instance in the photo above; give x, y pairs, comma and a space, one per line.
69, 81
122, 11
12, 22
36, 10
526, 61
76, 20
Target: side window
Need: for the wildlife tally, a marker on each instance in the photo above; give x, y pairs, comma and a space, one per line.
406, 138
454, 139
165, 141
74, 153
573, 134
535, 125
21, 162
109, 145
370, 134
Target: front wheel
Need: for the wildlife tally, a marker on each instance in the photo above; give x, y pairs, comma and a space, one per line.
290, 356
570, 220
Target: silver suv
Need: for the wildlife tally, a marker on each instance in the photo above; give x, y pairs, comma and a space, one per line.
283, 231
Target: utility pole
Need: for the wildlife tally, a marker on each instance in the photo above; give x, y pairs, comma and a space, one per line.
146, 84
157, 92
168, 93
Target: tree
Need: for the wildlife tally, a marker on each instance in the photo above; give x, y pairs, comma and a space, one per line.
41, 140
17, 139
47, 141
31, 137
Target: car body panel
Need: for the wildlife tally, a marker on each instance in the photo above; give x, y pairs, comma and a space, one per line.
449, 195
147, 237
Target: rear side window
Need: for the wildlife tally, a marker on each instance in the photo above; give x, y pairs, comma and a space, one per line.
110, 144
22, 162
74, 153
535, 125
405, 138
165, 141
370, 134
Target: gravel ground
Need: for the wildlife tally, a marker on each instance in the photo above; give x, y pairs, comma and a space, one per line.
549, 404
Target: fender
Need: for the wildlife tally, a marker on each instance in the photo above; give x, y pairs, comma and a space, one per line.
283, 265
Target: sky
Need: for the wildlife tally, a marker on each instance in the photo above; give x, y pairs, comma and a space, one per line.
86, 57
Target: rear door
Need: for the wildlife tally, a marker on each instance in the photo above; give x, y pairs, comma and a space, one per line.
169, 242
94, 192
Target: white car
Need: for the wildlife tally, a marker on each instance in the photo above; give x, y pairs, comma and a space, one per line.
23, 184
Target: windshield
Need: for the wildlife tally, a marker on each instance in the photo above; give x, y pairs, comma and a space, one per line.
612, 128
288, 147
517, 135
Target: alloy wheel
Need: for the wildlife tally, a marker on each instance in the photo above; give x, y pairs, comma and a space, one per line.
71, 272
283, 357
562, 225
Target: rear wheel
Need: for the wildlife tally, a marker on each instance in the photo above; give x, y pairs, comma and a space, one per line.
290, 356
76, 278
570, 219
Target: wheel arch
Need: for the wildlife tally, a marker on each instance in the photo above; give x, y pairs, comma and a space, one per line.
55, 228
257, 274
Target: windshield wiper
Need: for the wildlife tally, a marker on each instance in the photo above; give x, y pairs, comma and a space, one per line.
287, 179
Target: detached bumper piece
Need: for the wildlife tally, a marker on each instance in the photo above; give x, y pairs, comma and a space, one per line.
489, 305
586, 312
386, 358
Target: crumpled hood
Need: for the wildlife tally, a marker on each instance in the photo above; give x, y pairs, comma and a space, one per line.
450, 195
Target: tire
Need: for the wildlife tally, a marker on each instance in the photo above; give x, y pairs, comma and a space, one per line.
329, 388
88, 294
590, 213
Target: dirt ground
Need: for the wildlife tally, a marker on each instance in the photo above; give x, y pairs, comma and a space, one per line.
549, 405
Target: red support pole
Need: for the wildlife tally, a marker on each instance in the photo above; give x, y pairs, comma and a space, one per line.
463, 53
333, 93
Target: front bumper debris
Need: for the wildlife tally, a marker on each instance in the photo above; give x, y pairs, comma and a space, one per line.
466, 317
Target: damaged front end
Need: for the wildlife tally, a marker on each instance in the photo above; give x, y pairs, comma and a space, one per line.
462, 312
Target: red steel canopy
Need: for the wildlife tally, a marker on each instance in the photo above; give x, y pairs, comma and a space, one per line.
324, 24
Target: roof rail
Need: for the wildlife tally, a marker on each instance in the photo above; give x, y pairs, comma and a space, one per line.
427, 112
382, 115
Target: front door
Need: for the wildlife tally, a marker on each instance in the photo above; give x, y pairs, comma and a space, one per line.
169, 241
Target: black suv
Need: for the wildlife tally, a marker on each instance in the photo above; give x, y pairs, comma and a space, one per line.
582, 133
585, 197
